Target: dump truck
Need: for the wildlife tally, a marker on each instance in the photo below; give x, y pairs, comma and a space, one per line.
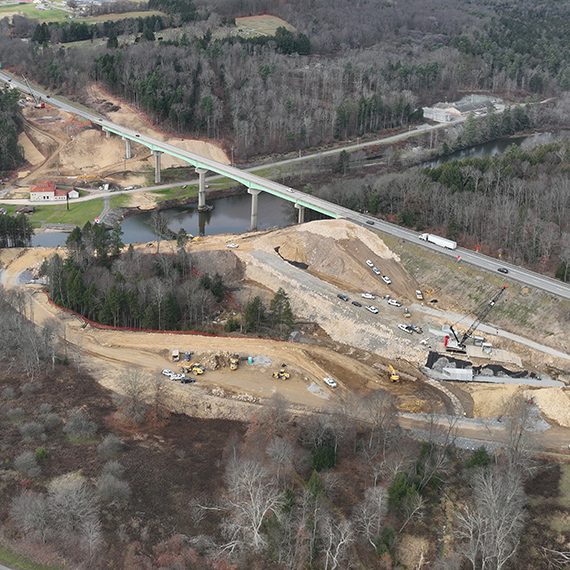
234, 361
441, 241
393, 376
282, 374
175, 355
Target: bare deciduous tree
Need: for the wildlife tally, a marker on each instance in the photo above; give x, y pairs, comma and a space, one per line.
253, 494
489, 527
280, 451
337, 536
369, 515
134, 386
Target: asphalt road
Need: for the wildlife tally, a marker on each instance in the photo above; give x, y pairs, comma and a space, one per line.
522, 276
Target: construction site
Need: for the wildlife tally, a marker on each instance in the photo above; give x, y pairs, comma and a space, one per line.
437, 331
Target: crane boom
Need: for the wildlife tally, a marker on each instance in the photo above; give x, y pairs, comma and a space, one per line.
37, 101
482, 314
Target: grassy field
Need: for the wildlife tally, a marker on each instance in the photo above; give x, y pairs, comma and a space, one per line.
78, 214
56, 15
119, 201
19, 562
30, 11
265, 25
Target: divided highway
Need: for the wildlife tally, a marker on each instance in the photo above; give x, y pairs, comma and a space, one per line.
254, 182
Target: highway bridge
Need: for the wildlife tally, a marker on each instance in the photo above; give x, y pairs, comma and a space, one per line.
256, 184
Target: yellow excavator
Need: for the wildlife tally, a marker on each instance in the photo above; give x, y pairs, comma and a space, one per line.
393, 376
234, 361
192, 369
282, 374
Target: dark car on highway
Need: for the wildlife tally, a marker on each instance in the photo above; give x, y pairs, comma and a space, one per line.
503, 270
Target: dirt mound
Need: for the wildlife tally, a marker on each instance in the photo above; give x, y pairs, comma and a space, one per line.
553, 402
336, 251
91, 150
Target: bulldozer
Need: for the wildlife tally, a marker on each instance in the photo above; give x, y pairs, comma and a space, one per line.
282, 374
393, 376
234, 361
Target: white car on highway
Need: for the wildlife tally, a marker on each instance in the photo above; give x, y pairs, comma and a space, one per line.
329, 382
372, 309
369, 263
232, 245
368, 296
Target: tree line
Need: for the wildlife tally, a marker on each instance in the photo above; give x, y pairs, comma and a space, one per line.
265, 94
15, 231
11, 125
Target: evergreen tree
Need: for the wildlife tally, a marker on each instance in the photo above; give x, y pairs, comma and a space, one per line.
254, 315
280, 309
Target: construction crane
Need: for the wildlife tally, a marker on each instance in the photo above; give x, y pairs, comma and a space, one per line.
39, 104
460, 346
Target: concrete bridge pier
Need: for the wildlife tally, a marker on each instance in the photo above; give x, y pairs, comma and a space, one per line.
128, 152
254, 194
301, 216
156, 154
108, 134
201, 172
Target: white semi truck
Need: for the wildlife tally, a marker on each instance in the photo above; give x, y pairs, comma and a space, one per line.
442, 242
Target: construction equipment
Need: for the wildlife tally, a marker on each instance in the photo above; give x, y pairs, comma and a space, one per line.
458, 345
407, 313
192, 368
282, 374
234, 361
39, 104
394, 377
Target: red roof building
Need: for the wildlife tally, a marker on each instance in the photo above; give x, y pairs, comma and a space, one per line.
46, 191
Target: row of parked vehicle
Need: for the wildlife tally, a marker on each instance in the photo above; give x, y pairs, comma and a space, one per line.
385, 278
182, 378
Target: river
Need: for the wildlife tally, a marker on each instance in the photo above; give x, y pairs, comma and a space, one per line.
232, 215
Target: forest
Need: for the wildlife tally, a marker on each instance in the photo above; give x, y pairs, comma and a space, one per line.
342, 74
516, 204
157, 291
